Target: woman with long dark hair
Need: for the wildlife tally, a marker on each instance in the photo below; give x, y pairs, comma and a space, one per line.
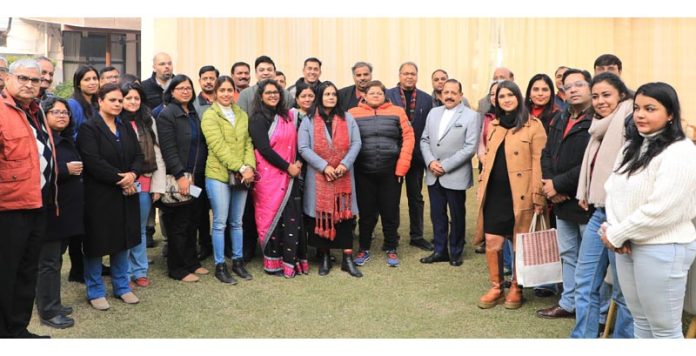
539, 99
330, 142
83, 103
112, 163
152, 180
651, 206
277, 201
509, 186
184, 151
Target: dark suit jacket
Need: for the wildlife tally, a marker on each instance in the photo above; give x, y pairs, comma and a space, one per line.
424, 102
347, 98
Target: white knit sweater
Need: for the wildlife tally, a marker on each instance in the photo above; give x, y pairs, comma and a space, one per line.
657, 204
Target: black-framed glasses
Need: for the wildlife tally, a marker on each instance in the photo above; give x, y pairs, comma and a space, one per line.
23, 79
59, 112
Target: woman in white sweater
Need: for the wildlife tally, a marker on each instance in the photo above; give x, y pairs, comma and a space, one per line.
650, 204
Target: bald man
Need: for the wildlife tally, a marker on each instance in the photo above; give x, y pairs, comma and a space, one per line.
162, 74
500, 73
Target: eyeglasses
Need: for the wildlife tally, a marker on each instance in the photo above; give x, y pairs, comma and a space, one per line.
59, 112
578, 84
185, 89
23, 79
3, 69
275, 92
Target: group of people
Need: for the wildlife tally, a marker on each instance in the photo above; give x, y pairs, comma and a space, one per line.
284, 169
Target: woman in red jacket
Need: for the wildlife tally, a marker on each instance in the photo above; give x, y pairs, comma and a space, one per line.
383, 161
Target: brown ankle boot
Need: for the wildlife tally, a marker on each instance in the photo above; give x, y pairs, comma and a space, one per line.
513, 300
494, 259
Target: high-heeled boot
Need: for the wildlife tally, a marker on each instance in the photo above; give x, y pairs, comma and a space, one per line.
494, 259
349, 266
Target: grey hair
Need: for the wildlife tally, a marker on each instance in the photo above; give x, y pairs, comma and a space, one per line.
2, 59
409, 63
43, 58
360, 65
28, 63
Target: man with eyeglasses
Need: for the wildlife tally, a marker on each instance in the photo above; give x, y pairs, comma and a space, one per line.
27, 194
47, 71
109, 75
560, 165
417, 105
3, 72
163, 72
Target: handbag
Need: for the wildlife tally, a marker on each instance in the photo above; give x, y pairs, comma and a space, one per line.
537, 258
171, 196
236, 181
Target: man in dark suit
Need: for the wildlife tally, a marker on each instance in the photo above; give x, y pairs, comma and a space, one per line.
417, 105
351, 95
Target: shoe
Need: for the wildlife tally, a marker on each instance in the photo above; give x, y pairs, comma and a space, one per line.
278, 273
142, 282
434, 257
543, 293
325, 265
25, 334
422, 244
349, 266
205, 252
481, 249
457, 261
238, 269
362, 257
202, 271
513, 299
165, 248
66, 310
554, 312
129, 298
189, 278
392, 258
223, 275
494, 262
106, 270
99, 303
59, 322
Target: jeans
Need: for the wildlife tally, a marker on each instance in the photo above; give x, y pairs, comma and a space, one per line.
119, 275
507, 255
653, 278
569, 237
137, 256
591, 269
228, 207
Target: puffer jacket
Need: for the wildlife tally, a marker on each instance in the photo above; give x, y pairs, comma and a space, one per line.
229, 147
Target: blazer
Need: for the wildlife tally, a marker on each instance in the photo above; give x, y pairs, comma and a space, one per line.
424, 102
454, 149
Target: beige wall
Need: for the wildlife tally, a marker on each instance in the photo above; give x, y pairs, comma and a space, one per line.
468, 48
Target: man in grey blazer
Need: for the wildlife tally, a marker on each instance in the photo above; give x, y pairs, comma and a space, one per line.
448, 143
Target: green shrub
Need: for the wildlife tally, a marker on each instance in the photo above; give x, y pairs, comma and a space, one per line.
64, 90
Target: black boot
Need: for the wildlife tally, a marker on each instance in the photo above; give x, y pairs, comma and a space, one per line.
238, 268
149, 237
325, 264
223, 275
348, 266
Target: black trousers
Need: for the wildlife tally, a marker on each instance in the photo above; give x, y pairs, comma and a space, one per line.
181, 223
414, 186
251, 235
48, 301
378, 197
440, 199
22, 233
203, 221
77, 263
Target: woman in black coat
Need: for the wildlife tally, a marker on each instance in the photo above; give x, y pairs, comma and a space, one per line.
184, 151
68, 226
112, 162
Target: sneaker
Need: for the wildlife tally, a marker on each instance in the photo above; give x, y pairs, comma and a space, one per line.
142, 282
362, 257
392, 258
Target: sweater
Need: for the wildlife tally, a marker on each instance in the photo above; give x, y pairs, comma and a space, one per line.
656, 204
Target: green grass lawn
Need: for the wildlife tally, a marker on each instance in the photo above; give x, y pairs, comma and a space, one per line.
411, 301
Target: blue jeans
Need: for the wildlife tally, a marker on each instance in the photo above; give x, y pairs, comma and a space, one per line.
593, 262
119, 275
654, 282
137, 256
569, 237
228, 208
507, 255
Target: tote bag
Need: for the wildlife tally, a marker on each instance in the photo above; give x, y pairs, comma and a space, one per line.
537, 259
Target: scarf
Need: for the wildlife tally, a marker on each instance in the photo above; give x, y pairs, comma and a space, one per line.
410, 106
507, 120
606, 140
334, 198
145, 139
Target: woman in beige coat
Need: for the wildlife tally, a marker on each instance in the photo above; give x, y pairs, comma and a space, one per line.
509, 186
